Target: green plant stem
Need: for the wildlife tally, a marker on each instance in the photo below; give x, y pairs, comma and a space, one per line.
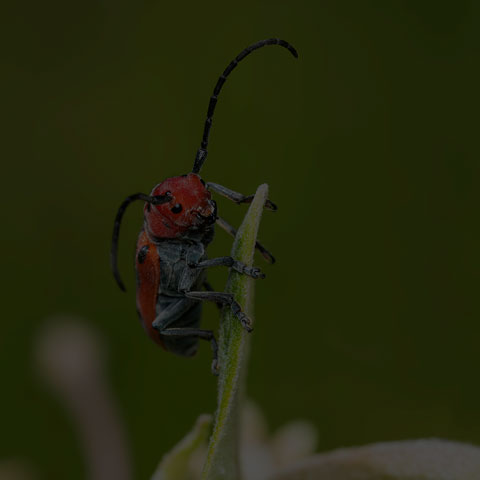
223, 450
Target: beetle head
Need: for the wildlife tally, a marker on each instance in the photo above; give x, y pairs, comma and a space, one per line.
190, 209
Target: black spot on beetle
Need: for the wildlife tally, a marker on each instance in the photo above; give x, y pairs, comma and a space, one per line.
177, 208
142, 254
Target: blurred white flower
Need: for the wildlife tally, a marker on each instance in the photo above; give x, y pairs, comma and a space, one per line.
15, 469
429, 459
261, 455
71, 359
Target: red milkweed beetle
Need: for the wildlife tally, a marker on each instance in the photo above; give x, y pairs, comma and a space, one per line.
179, 218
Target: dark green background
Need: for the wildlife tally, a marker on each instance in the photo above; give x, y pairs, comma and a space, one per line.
368, 323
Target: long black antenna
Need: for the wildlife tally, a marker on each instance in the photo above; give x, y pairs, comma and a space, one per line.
156, 200
202, 151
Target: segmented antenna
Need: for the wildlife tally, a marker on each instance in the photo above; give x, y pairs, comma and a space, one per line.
155, 200
202, 151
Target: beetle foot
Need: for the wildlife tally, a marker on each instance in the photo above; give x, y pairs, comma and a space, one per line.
245, 321
215, 367
270, 205
253, 272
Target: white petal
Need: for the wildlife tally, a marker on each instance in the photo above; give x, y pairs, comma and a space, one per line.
429, 459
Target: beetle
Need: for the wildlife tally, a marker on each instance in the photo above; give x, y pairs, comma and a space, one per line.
171, 259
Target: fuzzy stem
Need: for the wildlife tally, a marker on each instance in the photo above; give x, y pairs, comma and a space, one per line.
223, 450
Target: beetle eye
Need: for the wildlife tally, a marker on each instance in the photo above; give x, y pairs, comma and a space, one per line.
177, 208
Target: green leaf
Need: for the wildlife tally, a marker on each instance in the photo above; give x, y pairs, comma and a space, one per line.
175, 465
223, 451
430, 459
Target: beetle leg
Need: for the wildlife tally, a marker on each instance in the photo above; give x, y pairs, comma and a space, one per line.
196, 332
237, 197
188, 278
209, 288
225, 299
239, 267
232, 231
172, 313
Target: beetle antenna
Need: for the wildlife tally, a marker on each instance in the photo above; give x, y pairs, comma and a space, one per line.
155, 200
202, 151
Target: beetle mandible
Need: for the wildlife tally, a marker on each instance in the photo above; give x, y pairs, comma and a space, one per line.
171, 259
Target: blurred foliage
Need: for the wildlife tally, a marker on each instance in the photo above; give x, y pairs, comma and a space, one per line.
368, 323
